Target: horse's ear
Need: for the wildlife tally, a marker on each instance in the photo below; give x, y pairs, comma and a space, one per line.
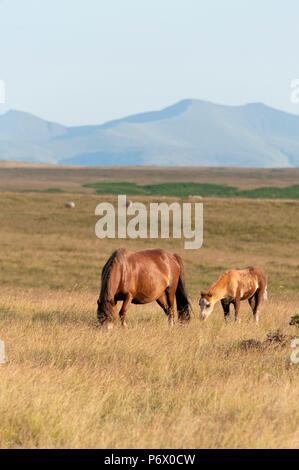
98, 301
205, 294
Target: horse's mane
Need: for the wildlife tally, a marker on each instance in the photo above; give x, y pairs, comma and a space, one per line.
106, 271
218, 281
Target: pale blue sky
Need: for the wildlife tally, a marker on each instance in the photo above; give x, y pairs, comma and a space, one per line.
89, 61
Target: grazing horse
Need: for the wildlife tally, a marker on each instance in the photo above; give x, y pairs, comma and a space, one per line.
140, 277
232, 287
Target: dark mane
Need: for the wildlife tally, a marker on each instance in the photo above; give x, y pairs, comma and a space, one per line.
106, 274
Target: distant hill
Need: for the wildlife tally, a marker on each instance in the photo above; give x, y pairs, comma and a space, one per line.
191, 132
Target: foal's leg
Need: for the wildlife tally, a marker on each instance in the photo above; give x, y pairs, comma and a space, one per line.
225, 305
236, 303
252, 303
123, 310
258, 300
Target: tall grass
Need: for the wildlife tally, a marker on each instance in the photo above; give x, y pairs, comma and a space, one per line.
66, 383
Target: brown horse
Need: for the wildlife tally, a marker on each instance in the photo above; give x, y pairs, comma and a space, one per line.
140, 277
232, 287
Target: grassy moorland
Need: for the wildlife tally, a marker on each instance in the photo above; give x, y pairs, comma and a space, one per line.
17, 176
66, 383
183, 189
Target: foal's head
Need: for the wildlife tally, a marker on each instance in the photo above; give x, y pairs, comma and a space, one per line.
106, 314
206, 303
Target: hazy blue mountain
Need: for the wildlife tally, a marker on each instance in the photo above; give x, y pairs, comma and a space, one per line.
191, 132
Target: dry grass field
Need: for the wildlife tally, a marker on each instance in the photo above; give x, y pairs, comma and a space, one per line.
26, 176
68, 384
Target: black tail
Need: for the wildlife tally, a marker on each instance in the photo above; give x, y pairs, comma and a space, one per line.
182, 302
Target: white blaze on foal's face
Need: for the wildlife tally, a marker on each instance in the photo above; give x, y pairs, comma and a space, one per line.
206, 306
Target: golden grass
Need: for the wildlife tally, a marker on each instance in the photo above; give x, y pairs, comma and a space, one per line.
68, 384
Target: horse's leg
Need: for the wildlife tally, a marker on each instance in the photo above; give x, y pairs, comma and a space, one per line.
164, 304
251, 302
162, 301
237, 302
258, 300
225, 305
123, 310
170, 294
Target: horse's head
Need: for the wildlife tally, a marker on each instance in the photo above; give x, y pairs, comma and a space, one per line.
206, 303
105, 314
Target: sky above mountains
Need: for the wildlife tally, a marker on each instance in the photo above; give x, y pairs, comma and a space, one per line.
85, 62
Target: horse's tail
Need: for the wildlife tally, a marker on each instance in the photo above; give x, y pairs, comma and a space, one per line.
105, 309
106, 273
265, 296
182, 301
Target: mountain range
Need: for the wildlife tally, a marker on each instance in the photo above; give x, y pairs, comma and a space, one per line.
190, 132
